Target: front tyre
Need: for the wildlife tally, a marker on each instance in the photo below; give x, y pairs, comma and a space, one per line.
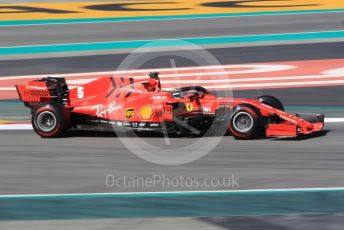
271, 101
50, 120
245, 123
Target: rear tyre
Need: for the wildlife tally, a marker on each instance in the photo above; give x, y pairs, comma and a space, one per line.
245, 123
271, 101
51, 120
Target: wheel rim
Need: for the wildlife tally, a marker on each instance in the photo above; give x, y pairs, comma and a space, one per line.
46, 121
243, 122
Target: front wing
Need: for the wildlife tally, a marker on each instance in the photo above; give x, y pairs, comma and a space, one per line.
301, 124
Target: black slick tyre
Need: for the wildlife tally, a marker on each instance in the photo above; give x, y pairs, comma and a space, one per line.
245, 122
271, 101
51, 120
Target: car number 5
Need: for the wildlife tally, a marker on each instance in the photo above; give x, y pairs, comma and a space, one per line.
80, 91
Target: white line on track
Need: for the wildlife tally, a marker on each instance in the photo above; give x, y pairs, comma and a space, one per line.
7, 88
273, 84
216, 74
16, 127
230, 79
254, 69
29, 126
272, 81
334, 120
248, 191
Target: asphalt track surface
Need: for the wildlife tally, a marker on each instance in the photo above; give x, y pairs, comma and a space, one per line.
189, 28
109, 62
79, 163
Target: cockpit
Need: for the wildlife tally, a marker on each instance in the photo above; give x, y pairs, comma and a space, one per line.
189, 92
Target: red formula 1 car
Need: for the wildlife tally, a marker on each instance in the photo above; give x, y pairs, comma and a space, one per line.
124, 104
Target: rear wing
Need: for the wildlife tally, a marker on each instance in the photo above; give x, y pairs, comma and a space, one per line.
43, 90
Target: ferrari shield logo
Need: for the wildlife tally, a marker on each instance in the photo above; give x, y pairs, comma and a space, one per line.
129, 113
189, 107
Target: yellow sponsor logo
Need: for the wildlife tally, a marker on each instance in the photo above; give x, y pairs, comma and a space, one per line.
129, 113
137, 8
146, 112
189, 107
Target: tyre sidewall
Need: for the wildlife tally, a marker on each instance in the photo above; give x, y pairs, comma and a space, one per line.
256, 119
61, 121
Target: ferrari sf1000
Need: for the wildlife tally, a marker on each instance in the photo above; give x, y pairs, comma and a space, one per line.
142, 106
